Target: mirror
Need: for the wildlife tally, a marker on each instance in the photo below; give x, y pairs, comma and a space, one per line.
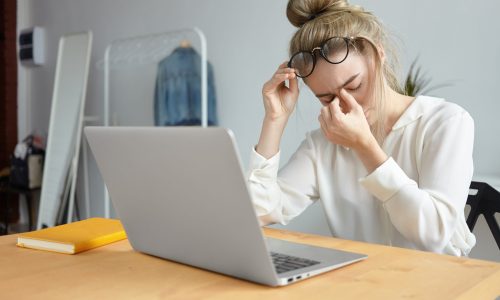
66, 117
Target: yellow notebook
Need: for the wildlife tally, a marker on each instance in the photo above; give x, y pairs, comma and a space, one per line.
74, 237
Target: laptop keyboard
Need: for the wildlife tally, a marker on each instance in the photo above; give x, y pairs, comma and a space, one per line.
285, 263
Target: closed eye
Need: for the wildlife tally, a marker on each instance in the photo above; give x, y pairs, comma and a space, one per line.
356, 88
350, 89
332, 96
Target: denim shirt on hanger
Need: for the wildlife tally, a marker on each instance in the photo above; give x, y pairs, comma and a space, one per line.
178, 90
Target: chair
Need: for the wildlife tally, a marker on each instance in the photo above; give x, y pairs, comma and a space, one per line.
6, 192
486, 202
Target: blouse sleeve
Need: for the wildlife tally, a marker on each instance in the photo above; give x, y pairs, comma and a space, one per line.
430, 212
279, 196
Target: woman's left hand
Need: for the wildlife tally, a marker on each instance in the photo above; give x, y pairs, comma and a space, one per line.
348, 128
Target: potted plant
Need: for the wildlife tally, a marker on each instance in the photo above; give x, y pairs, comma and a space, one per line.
417, 83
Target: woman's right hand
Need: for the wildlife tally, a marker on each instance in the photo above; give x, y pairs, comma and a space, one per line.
280, 100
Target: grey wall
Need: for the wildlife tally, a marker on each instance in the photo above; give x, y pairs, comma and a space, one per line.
247, 40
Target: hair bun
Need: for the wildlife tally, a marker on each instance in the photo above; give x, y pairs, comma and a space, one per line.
299, 12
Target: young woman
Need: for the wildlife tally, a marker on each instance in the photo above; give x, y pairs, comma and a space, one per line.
388, 168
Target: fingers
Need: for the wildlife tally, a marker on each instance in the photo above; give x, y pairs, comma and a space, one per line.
279, 78
349, 99
283, 73
327, 128
294, 84
332, 111
335, 109
276, 81
326, 113
283, 65
283, 68
330, 118
323, 125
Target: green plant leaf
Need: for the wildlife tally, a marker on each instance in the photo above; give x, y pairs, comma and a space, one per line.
417, 83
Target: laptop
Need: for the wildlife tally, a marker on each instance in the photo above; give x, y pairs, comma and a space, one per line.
181, 195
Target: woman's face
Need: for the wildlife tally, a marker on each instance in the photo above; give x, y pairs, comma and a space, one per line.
354, 74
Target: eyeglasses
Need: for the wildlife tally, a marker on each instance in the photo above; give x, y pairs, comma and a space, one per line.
334, 50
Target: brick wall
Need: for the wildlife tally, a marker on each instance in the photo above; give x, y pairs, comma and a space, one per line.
8, 80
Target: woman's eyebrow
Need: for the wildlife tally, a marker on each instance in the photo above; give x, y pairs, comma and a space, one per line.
345, 83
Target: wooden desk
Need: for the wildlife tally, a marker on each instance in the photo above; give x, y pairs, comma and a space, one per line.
117, 272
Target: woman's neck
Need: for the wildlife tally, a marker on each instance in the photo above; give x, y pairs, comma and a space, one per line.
396, 106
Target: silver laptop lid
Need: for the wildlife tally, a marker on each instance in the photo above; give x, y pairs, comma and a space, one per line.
181, 195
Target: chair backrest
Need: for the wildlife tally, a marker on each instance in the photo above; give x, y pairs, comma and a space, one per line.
484, 200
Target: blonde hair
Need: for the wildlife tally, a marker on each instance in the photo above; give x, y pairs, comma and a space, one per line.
319, 20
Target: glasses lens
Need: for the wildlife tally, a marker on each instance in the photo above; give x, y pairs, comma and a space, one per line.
303, 63
335, 50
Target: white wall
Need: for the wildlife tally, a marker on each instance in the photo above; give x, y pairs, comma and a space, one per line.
247, 40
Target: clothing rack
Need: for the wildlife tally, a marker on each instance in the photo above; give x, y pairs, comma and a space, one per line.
149, 49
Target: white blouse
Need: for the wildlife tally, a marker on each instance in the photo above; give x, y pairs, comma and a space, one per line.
415, 199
